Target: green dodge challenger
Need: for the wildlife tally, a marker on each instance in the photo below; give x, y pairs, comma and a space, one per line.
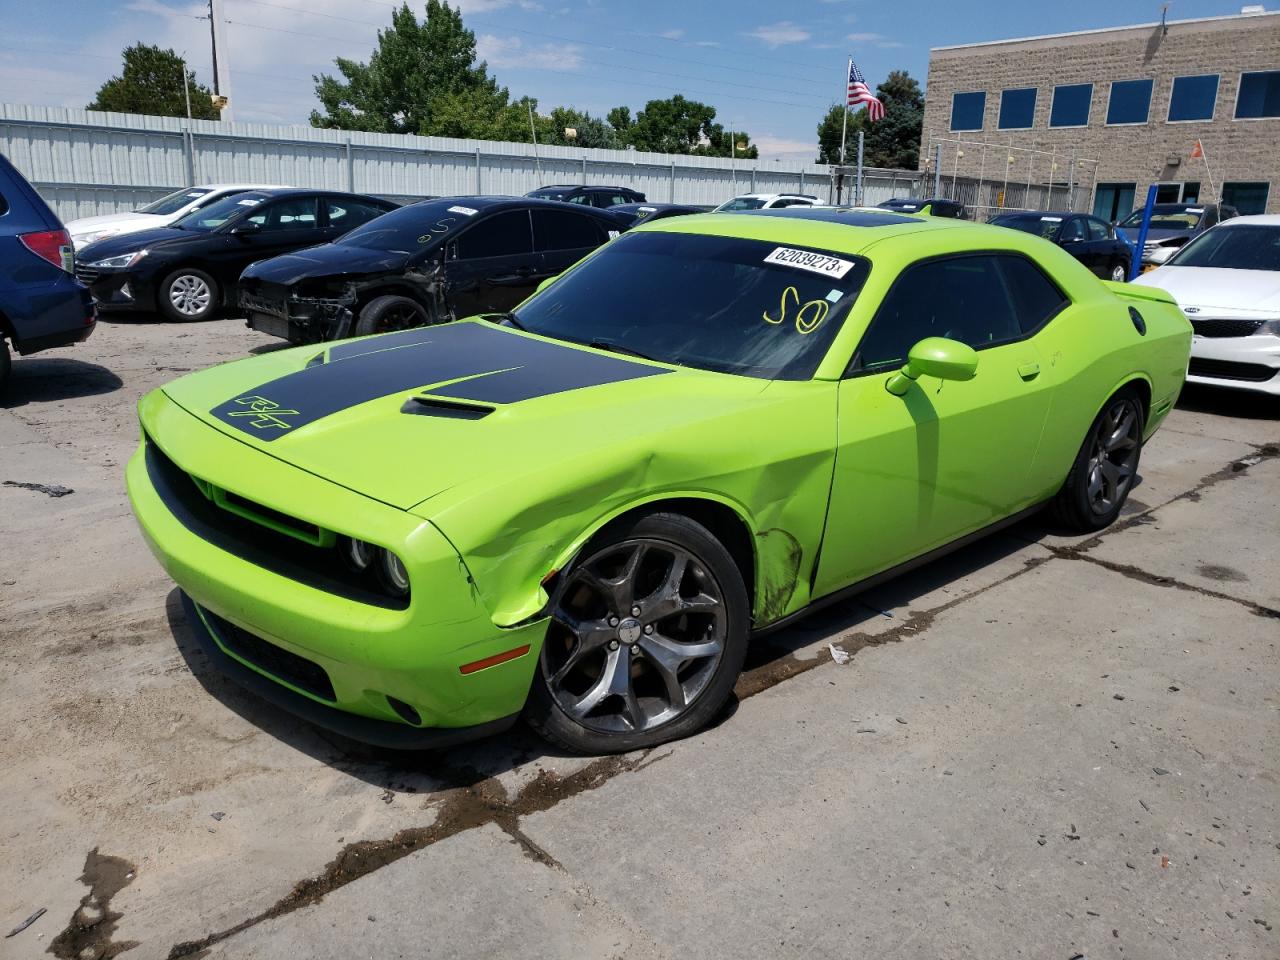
580, 512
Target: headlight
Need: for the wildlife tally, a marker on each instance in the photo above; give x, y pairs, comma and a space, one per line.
1160, 254
1271, 326
93, 236
392, 574
357, 554
124, 260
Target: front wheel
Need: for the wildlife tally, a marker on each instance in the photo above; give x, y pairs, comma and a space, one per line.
188, 294
647, 637
1105, 468
387, 313
1119, 273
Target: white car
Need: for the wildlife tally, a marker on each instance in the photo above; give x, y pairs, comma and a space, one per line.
767, 201
1227, 281
161, 213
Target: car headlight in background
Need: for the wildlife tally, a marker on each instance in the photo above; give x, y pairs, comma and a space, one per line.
93, 236
1271, 326
117, 263
1160, 253
361, 557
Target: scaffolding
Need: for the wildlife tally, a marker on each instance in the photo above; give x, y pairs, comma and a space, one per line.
1009, 177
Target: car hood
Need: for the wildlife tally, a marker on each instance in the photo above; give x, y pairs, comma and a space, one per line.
1246, 293
1159, 236
327, 260
493, 401
131, 220
137, 240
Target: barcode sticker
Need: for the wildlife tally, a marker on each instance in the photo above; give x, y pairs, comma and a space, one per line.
821, 263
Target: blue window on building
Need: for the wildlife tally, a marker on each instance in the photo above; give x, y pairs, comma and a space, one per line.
1259, 95
1071, 105
1130, 101
967, 110
1017, 108
1193, 97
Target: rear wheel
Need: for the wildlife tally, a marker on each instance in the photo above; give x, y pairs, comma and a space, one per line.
387, 313
188, 294
647, 637
1105, 468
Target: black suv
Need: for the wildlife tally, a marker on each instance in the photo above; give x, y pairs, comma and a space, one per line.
588, 196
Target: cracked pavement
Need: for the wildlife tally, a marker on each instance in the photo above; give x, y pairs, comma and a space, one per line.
1041, 745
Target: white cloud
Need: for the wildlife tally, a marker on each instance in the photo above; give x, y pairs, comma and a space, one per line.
775, 35
873, 39
512, 52
781, 148
671, 34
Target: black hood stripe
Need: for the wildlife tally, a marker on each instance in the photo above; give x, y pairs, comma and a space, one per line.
503, 367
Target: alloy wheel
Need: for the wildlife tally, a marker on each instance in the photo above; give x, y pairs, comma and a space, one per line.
189, 295
638, 631
1114, 458
1118, 273
403, 317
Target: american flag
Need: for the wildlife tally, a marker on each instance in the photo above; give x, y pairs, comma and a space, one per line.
859, 92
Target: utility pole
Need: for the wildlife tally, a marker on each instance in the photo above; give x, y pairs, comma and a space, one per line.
221, 72
186, 87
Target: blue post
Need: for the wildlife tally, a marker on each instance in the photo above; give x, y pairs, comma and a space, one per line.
1136, 266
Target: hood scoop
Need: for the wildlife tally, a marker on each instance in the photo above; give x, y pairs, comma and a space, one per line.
448, 409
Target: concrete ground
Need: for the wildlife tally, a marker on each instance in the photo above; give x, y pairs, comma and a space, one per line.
1041, 746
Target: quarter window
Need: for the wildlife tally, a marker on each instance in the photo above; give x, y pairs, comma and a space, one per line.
1017, 108
502, 235
349, 214
1130, 101
1098, 230
981, 300
1193, 98
967, 110
1071, 103
1259, 95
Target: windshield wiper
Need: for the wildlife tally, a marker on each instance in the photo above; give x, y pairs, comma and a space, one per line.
619, 348
509, 319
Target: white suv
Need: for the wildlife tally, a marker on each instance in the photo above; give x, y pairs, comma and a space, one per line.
161, 213
767, 201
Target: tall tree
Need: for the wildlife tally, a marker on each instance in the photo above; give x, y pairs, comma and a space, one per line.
417, 70
893, 141
151, 83
678, 125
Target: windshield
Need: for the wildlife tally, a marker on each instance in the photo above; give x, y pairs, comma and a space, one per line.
716, 303
1168, 218
549, 194
173, 202
740, 203
219, 212
1233, 248
409, 229
1047, 227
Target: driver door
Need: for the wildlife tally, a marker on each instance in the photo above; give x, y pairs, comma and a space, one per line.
916, 472
278, 226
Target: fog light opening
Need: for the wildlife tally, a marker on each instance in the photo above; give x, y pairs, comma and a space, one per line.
404, 711
392, 574
357, 554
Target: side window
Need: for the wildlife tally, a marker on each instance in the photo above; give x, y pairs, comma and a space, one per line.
616, 198
298, 213
582, 198
564, 230
347, 214
1035, 298
1098, 230
1073, 230
962, 298
504, 235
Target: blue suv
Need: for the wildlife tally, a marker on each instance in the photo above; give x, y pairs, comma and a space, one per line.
42, 305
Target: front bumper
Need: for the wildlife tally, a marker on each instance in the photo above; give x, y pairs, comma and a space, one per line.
117, 289
1239, 363
370, 656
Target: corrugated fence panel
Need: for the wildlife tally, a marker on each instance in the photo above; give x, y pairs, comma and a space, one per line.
88, 163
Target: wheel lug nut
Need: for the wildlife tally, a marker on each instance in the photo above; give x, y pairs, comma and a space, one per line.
648, 628
635, 648
635, 611
613, 621
613, 644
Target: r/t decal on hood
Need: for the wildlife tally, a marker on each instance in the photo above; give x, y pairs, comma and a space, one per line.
470, 361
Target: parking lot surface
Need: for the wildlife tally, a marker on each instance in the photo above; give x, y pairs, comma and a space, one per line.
1041, 746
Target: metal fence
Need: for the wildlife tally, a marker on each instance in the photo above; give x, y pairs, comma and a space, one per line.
86, 163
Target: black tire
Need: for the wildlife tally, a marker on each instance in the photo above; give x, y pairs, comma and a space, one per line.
717, 614
390, 312
1087, 502
6, 363
188, 295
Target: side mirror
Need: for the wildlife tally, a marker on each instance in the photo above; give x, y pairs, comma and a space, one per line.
935, 357
248, 228
546, 283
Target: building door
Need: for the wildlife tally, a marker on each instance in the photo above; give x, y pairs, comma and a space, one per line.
1113, 201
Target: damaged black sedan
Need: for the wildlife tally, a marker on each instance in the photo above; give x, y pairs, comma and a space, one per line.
429, 262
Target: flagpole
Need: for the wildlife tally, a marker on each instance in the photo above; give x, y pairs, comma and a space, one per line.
1213, 191
844, 98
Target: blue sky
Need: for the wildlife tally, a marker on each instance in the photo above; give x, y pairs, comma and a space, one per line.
769, 68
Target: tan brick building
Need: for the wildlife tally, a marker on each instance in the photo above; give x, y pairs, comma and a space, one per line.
1135, 99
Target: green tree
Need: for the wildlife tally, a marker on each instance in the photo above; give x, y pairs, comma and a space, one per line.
419, 70
591, 131
151, 83
891, 142
678, 125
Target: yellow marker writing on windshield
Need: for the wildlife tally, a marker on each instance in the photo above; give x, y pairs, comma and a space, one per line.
782, 309
808, 317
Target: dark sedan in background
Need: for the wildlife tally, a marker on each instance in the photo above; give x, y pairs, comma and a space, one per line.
1091, 241
189, 269
428, 262
632, 213
928, 206
593, 196
1172, 225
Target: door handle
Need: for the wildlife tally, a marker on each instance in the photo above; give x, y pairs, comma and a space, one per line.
1029, 371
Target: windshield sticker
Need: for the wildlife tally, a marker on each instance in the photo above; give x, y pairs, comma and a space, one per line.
612, 234
814, 262
1050, 219
465, 211
1195, 209
196, 194
248, 203
808, 317
835, 294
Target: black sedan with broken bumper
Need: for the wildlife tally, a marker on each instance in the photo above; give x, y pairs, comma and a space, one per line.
425, 263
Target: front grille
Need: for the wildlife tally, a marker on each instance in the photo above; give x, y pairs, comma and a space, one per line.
275, 308
1225, 328
277, 661
1230, 370
86, 274
316, 566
